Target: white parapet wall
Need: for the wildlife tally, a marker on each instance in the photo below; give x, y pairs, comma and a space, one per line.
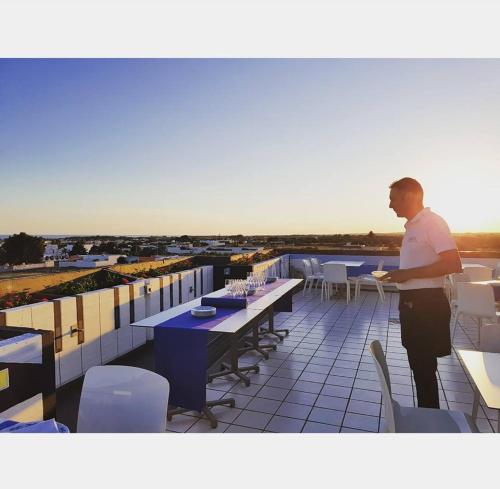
94, 328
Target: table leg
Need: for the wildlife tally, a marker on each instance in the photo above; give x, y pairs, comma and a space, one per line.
255, 344
233, 368
475, 405
271, 329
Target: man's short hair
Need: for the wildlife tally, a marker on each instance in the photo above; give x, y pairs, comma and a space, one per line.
407, 185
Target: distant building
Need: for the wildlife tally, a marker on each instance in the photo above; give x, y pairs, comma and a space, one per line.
89, 261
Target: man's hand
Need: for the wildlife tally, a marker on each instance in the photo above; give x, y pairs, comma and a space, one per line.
396, 276
448, 262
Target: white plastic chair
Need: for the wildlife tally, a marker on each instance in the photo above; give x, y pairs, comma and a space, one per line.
478, 274
401, 419
490, 338
367, 279
309, 276
454, 279
476, 301
121, 399
335, 274
496, 272
316, 266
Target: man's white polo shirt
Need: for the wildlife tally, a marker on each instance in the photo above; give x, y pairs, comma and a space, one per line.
427, 235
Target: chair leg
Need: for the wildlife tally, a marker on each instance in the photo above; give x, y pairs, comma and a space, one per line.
455, 324
380, 291
348, 292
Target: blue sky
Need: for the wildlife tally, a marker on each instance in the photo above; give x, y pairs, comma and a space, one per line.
206, 146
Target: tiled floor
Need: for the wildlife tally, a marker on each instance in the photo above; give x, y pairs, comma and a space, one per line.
322, 379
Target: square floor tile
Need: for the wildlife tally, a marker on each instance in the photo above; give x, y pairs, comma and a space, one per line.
319, 369
365, 395
280, 424
313, 377
338, 380
303, 386
364, 407
361, 422
249, 390
328, 416
281, 382
336, 391
329, 402
262, 405
301, 397
241, 429
258, 379
291, 410
252, 419
272, 393
288, 373
312, 427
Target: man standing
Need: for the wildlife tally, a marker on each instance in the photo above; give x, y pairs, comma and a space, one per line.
428, 253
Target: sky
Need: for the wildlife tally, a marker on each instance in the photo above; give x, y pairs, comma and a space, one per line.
245, 146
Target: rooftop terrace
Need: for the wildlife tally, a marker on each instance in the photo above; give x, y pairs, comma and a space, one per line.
321, 378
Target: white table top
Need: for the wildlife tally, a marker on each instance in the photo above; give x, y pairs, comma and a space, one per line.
468, 265
487, 282
344, 262
234, 322
484, 368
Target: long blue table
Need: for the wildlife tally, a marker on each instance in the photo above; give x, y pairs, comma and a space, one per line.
180, 342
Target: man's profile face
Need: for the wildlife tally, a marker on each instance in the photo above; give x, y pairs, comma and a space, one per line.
398, 202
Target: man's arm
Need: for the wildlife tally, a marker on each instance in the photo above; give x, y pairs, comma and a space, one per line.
449, 262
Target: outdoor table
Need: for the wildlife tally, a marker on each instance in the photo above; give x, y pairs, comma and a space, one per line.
484, 368
494, 283
344, 262
180, 342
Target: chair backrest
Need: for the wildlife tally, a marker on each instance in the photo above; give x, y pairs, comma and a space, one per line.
496, 272
316, 266
380, 265
476, 274
490, 338
121, 399
335, 273
307, 267
476, 300
456, 278
385, 384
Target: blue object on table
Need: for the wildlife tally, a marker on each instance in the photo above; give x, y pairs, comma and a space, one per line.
228, 302
48, 426
270, 280
180, 346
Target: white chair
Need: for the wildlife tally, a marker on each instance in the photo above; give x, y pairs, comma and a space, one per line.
309, 276
454, 279
490, 338
478, 274
496, 272
401, 419
316, 266
335, 274
121, 399
367, 279
476, 301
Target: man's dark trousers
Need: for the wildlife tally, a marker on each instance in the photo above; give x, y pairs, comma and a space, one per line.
425, 333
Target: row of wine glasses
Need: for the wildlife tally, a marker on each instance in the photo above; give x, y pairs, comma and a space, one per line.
257, 279
237, 287
241, 287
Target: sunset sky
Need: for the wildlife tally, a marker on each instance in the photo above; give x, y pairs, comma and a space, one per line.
208, 146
